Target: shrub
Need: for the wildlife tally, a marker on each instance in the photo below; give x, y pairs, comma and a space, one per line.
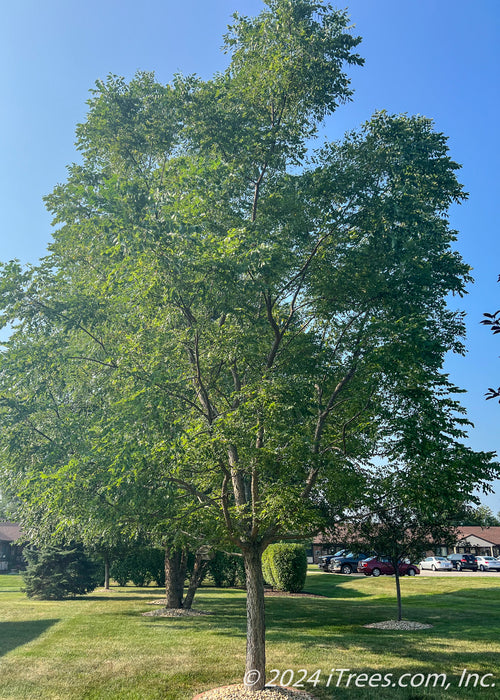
227, 570
284, 566
140, 565
267, 569
54, 573
119, 571
157, 566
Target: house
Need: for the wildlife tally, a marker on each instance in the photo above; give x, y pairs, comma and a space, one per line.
328, 543
473, 539
10, 553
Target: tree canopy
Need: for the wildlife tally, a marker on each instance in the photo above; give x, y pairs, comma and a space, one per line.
229, 322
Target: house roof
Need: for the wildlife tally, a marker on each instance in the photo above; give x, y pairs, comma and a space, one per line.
489, 534
9, 532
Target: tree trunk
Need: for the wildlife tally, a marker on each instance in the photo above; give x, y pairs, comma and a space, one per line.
199, 571
255, 675
398, 590
175, 572
106, 572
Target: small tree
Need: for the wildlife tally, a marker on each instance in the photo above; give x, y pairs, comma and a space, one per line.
54, 573
409, 509
391, 526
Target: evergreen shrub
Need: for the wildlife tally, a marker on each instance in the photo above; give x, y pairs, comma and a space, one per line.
54, 573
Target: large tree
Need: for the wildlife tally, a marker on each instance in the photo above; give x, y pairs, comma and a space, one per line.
258, 321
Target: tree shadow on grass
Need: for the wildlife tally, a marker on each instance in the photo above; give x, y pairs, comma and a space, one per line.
455, 616
125, 593
15, 634
104, 599
336, 625
456, 679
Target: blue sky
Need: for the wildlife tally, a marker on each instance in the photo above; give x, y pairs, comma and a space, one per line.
439, 58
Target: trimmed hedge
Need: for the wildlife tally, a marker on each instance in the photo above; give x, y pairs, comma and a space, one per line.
140, 565
267, 569
284, 566
227, 570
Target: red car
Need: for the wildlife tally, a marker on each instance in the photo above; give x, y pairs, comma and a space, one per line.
375, 566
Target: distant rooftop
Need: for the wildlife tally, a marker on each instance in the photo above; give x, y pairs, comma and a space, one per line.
490, 534
9, 532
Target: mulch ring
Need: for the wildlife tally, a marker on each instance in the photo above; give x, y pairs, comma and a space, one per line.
240, 692
398, 625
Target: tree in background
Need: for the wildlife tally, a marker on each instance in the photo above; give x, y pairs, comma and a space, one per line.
481, 515
89, 483
231, 318
411, 499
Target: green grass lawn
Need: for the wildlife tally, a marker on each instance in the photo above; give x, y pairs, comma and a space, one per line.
99, 646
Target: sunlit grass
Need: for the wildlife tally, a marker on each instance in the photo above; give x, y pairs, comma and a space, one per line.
100, 647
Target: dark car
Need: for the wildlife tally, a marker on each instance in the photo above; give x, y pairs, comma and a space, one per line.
324, 561
346, 563
463, 561
375, 566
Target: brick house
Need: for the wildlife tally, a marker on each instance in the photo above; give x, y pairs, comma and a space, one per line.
328, 543
10, 553
473, 539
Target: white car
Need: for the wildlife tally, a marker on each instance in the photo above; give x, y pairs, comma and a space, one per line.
436, 564
488, 564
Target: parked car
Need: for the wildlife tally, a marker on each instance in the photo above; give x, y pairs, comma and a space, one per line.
463, 561
375, 566
436, 563
488, 564
346, 563
324, 561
